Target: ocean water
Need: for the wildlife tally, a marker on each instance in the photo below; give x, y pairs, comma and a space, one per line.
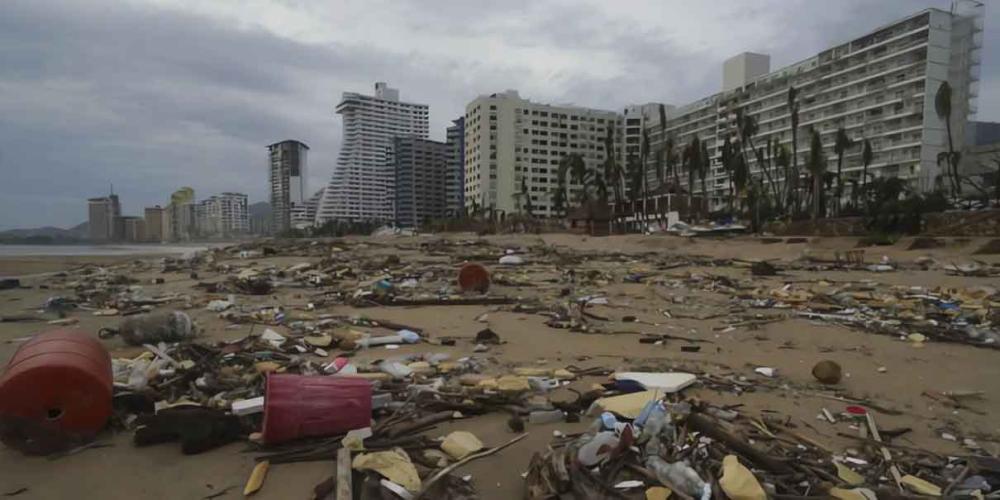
78, 250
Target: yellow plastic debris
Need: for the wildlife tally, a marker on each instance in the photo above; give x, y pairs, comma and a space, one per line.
658, 493
394, 465
848, 475
319, 340
266, 367
510, 383
738, 482
917, 485
532, 372
854, 494
420, 367
626, 405
460, 444
256, 479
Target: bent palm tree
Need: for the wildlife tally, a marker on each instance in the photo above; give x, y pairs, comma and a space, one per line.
840, 146
942, 105
817, 167
866, 159
792, 176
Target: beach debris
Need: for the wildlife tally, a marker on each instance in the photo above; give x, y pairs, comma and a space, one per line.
394, 465
256, 479
827, 372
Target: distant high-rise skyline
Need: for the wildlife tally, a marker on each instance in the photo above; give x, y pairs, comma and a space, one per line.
101, 217
361, 187
287, 176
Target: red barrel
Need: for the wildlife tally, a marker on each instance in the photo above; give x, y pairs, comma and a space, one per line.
298, 406
55, 391
474, 278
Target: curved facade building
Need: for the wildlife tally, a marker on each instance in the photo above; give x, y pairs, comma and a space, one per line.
363, 184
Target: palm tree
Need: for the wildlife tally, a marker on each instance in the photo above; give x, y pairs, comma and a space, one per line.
643, 165
703, 167
840, 146
792, 177
692, 162
728, 155
866, 159
612, 170
667, 150
942, 105
528, 207
817, 167
574, 165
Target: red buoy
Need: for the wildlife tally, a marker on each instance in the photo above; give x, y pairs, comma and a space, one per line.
298, 406
55, 392
474, 278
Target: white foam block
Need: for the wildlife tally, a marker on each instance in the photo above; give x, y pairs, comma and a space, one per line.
667, 382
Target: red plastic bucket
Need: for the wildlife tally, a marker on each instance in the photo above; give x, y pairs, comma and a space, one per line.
474, 278
298, 406
55, 391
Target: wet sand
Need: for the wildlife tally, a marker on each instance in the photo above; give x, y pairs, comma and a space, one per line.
791, 346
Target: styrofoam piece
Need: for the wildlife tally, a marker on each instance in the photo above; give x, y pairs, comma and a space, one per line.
667, 382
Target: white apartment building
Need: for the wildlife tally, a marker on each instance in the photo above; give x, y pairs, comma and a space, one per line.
223, 215
362, 184
510, 141
880, 86
304, 214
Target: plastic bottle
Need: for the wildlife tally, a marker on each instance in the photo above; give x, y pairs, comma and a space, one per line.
546, 416
404, 336
597, 449
157, 327
681, 475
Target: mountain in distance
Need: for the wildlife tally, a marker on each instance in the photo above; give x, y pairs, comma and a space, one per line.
46, 234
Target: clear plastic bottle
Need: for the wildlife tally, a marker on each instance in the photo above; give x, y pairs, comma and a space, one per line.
681, 475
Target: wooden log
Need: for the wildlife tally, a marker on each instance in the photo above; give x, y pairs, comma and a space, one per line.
345, 490
705, 425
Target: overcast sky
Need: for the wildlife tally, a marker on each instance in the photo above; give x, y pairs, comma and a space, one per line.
156, 94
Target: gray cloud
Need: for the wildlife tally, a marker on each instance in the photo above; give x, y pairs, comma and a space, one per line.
153, 97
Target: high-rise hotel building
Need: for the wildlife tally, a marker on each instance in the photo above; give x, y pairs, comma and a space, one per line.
362, 186
880, 86
512, 144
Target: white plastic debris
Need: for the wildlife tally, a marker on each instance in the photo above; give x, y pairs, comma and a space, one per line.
248, 406
766, 371
511, 260
272, 337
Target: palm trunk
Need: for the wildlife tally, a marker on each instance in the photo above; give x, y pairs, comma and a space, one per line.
817, 185
951, 161
840, 185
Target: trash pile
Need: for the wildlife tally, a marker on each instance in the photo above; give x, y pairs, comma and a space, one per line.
308, 384
666, 445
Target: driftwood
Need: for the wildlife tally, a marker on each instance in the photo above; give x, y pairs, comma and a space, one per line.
344, 486
711, 429
445, 471
414, 425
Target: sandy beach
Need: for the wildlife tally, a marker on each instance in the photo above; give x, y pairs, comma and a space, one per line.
879, 368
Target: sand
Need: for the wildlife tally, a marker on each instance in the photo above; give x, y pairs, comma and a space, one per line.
124, 472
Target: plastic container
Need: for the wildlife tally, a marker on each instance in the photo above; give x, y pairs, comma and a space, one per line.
298, 406
55, 391
474, 278
546, 416
679, 474
157, 327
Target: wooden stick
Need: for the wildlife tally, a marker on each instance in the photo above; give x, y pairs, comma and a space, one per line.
706, 426
885, 451
445, 471
345, 490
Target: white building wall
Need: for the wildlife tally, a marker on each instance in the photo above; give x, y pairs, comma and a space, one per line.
361, 187
509, 139
880, 86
